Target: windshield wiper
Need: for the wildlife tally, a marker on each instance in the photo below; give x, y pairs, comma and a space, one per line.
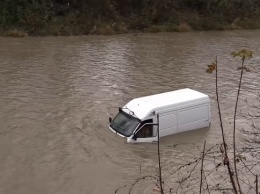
130, 111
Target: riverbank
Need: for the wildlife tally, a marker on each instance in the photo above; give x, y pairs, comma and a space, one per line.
70, 18
107, 29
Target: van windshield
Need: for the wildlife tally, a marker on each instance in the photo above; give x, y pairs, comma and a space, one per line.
124, 123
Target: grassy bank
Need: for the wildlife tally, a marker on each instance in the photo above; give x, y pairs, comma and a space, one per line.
21, 18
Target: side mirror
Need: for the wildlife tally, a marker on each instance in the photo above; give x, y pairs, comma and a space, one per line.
110, 119
134, 137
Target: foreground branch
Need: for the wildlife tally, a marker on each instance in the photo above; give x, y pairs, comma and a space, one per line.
256, 184
201, 170
159, 157
226, 159
234, 126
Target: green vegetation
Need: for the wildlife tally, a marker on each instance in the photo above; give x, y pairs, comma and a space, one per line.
75, 17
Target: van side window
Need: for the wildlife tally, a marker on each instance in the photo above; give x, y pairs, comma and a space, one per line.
146, 130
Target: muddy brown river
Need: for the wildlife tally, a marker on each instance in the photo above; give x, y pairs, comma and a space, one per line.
56, 94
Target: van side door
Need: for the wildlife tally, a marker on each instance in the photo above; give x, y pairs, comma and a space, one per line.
147, 132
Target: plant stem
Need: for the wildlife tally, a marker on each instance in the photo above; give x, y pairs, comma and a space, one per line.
256, 184
234, 129
201, 169
159, 156
223, 135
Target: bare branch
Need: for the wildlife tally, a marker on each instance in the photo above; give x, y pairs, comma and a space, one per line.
256, 184
201, 170
159, 156
138, 180
119, 188
226, 159
206, 182
234, 125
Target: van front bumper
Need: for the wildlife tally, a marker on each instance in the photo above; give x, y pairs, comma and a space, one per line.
115, 131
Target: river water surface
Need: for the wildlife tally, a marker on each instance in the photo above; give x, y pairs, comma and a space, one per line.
56, 94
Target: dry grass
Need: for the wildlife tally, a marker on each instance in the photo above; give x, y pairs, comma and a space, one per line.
105, 30
154, 29
183, 27
233, 27
121, 28
16, 33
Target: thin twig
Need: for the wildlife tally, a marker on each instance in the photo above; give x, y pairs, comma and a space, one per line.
192, 170
201, 170
195, 159
247, 167
137, 180
119, 189
246, 183
206, 182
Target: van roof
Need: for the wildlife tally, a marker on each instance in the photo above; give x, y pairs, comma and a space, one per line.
144, 106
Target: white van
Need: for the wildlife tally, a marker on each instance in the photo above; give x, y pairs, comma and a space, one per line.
170, 113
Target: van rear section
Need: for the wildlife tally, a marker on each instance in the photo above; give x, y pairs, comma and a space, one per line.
171, 112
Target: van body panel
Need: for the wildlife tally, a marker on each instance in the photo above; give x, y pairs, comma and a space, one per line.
168, 123
192, 114
193, 125
170, 131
